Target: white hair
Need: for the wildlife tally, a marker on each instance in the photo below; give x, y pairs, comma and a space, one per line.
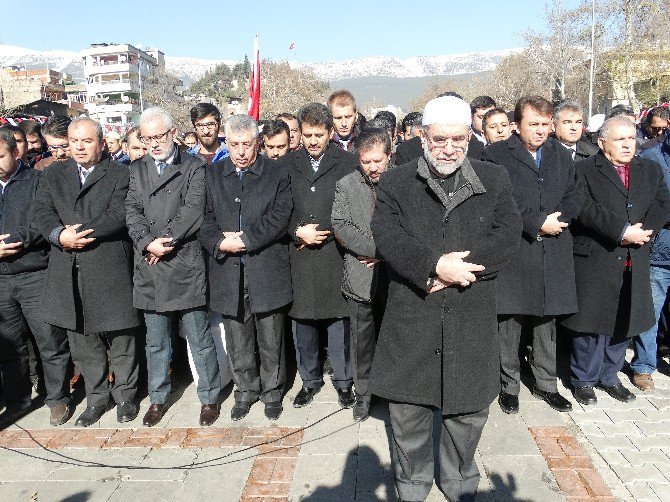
241, 123
157, 113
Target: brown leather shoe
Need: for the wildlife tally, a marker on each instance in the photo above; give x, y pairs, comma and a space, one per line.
643, 381
60, 414
153, 415
208, 414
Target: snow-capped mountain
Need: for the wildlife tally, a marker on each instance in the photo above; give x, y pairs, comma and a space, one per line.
191, 69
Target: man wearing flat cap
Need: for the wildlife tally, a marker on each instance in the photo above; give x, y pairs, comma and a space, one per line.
444, 225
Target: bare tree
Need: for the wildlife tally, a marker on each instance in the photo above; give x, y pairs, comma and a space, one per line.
163, 89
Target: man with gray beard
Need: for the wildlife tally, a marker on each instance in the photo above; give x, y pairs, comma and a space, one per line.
444, 225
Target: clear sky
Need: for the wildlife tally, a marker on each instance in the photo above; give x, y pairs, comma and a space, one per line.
320, 30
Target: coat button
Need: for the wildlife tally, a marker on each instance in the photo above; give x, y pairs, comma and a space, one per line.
538, 238
169, 192
169, 220
629, 205
311, 217
540, 180
313, 189
152, 223
237, 199
618, 257
438, 352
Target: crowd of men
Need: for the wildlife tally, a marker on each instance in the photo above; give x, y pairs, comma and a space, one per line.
432, 261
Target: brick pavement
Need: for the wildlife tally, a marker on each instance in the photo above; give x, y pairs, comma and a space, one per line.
610, 451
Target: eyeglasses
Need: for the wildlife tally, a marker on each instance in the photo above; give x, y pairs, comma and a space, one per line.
205, 126
159, 138
656, 130
457, 142
57, 148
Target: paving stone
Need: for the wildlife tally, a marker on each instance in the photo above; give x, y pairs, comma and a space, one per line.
614, 442
540, 414
596, 416
594, 483
642, 492
635, 474
660, 403
649, 443
654, 456
614, 457
325, 478
159, 491
655, 428
506, 435
632, 415
621, 429
72, 491
591, 429
656, 415
661, 490
521, 478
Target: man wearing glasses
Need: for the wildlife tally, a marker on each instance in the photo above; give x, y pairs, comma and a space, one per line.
206, 120
164, 209
444, 225
54, 131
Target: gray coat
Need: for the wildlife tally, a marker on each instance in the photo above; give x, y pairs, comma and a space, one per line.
540, 279
352, 213
441, 349
171, 205
105, 266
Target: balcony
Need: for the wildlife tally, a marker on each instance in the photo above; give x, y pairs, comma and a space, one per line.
112, 86
110, 68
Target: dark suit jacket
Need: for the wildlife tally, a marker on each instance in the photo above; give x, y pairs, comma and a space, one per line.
598, 253
105, 266
316, 271
539, 280
412, 149
170, 205
263, 199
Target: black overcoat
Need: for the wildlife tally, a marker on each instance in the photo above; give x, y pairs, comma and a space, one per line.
540, 279
105, 266
316, 271
598, 253
441, 349
263, 197
170, 205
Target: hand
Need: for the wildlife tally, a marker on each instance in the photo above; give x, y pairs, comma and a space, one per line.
10, 249
437, 285
156, 249
451, 269
71, 239
232, 243
368, 261
636, 235
552, 226
310, 236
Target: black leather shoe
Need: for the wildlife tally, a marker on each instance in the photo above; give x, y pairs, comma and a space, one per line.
240, 410
554, 399
153, 415
585, 395
90, 416
305, 396
208, 414
273, 410
126, 411
346, 397
361, 409
619, 392
508, 403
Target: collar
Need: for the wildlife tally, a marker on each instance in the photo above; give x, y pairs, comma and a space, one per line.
169, 160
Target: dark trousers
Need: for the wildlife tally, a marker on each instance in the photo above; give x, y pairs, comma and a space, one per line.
543, 332
90, 352
413, 457
365, 321
21, 298
306, 339
253, 338
597, 359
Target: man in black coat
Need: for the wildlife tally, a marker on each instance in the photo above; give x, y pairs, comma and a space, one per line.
538, 284
245, 236
23, 261
164, 210
444, 225
79, 208
316, 260
627, 202
569, 128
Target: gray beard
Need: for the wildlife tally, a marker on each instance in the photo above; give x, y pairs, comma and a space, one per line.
442, 167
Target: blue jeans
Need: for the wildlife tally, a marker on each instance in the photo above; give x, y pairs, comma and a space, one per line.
645, 358
195, 324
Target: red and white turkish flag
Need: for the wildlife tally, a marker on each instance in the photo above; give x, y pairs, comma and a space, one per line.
255, 82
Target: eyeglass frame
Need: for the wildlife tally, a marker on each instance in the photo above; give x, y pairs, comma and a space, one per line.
206, 125
53, 148
158, 138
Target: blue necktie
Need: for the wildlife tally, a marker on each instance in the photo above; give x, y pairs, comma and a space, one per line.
538, 157
161, 168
